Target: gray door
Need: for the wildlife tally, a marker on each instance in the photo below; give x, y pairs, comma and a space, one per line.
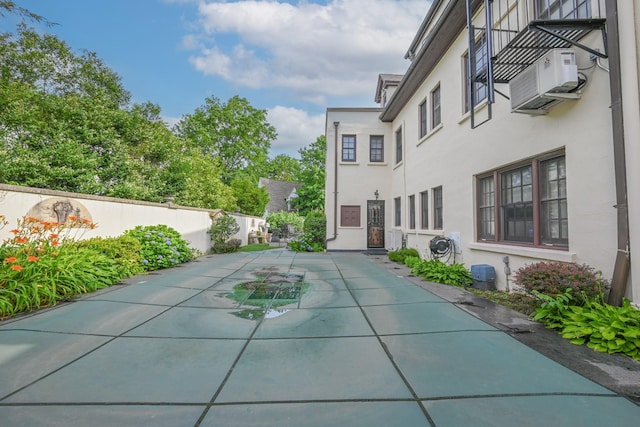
375, 224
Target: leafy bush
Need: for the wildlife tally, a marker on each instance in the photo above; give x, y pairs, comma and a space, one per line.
305, 243
223, 228
412, 261
600, 326
553, 309
439, 272
400, 254
554, 278
315, 227
162, 246
124, 250
231, 245
280, 221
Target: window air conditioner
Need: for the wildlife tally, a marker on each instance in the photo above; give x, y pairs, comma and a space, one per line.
545, 83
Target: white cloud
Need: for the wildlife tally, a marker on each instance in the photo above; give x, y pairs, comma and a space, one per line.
296, 129
313, 50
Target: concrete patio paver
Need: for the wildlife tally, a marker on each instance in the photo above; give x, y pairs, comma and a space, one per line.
362, 347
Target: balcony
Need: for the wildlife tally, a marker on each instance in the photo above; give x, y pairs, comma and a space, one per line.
524, 30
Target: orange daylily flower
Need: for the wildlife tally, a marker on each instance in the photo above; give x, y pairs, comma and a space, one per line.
54, 243
32, 258
72, 218
16, 268
53, 236
15, 231
21, 240
11, 259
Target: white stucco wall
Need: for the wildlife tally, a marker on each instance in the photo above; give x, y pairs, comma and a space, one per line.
359, 180
114, 216
453, 154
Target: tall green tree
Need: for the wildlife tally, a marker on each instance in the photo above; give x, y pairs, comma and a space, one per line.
235, 133
312, 177
203, 187
282, 168
251, 199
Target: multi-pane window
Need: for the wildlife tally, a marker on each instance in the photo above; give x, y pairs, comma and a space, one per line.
376, 148
437, 208
412, 212
348, 148
424, 210
422, 112
563, 9
516, 205
526, 204
436, 117
349, 216
554, 219
477, 80
486, 208
398, 145
397, 208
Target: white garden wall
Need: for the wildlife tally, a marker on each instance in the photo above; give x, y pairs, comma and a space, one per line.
114, 216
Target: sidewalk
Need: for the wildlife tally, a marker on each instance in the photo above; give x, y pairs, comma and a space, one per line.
364, 346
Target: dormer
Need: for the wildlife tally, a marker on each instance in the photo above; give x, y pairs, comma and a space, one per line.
387, 85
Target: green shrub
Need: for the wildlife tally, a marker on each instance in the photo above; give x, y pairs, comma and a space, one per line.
162, 246
412, 261
280, 221
59, 275
315, 227
602, 327
231, 245
554, 278
223, 228
125, 250
439, 272
305, 243
400, 254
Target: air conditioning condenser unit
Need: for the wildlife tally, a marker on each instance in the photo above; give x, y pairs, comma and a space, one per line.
548, 81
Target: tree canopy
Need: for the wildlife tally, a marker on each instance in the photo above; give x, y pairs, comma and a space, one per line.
67, 123
312, 177
234, 132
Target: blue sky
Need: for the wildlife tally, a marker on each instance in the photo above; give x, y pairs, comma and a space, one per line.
291, 58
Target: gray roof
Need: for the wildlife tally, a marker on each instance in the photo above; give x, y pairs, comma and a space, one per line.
278, 192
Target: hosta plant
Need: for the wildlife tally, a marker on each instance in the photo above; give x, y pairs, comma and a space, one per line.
439, 272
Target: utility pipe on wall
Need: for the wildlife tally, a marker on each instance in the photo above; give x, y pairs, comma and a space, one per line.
623, 259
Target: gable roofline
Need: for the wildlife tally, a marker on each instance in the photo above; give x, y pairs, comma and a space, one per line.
452, 21
384, 81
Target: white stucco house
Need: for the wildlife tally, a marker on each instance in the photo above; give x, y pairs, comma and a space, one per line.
526, 152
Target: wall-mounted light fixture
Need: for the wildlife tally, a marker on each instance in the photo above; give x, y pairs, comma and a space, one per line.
377, 194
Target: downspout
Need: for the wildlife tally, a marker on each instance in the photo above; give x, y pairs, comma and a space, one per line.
623, 261
335, 185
